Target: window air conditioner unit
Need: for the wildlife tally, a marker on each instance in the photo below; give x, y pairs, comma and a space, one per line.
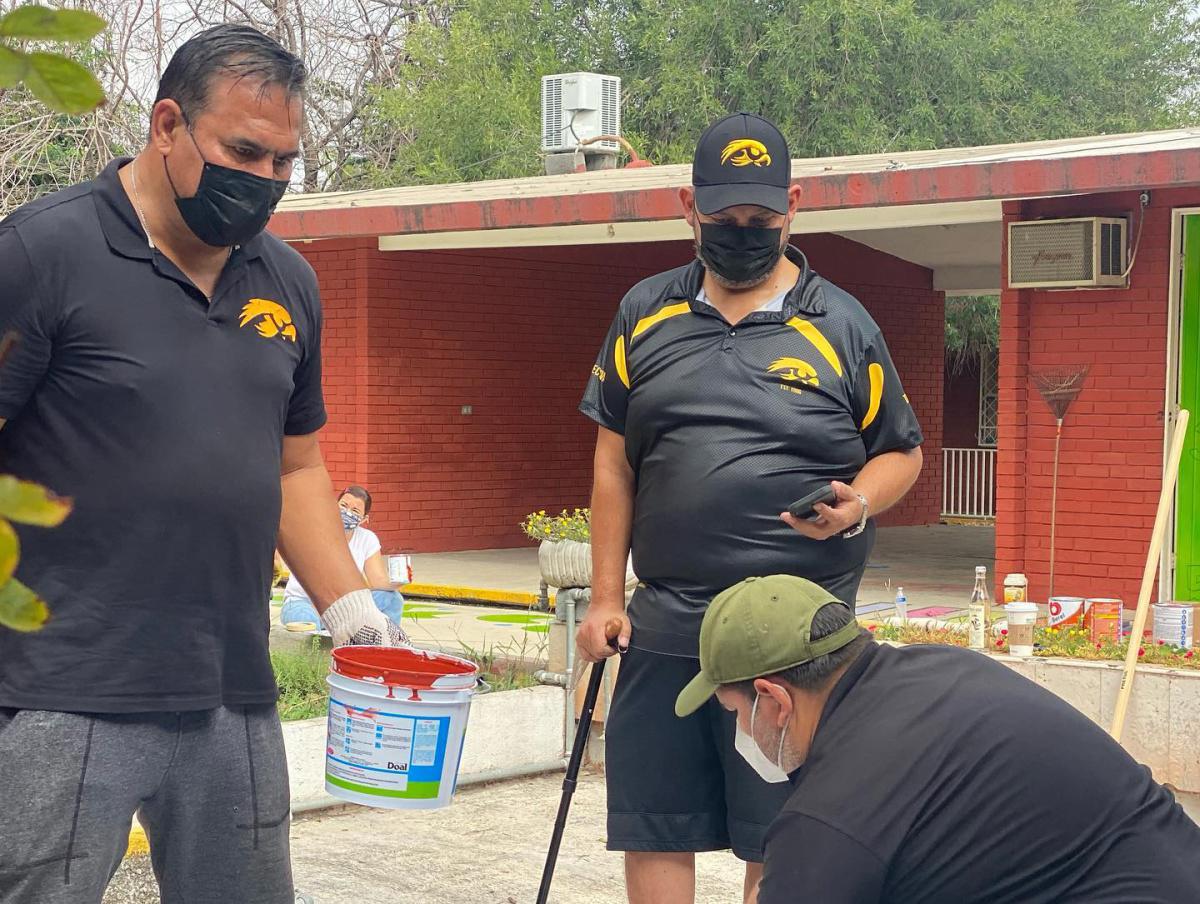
1083, 252
577, 106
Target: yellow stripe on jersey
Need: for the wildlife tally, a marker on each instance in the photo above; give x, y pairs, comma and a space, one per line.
619, 359
666, 313
876, 373
813, 335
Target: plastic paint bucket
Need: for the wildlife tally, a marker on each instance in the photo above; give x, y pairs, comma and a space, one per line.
1021, 618
397, 720
1104, 620
1066, 610
1173, 624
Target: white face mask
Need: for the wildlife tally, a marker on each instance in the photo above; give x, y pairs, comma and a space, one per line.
745, 744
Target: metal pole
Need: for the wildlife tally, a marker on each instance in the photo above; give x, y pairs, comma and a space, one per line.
572, 779
611, 630
569, 693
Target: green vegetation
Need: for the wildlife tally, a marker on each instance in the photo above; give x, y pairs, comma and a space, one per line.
838, 76
57, 81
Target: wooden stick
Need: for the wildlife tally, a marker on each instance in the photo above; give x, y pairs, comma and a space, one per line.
1165, 501
1054, 507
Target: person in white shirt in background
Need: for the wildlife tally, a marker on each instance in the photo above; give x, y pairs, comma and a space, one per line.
298, 611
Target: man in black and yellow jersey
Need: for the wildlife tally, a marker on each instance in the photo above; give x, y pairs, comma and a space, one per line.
726, 390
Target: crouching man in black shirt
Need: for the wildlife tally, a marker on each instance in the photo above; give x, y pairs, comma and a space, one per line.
927, 773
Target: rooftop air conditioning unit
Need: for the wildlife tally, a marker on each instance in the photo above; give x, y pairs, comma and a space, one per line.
577, 106
1083, 252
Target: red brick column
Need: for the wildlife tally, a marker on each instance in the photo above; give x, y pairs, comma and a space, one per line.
1012, 415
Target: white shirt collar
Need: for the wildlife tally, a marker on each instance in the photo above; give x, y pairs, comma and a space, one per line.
774, 304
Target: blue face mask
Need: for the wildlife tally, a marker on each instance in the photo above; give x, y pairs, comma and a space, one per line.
351, 520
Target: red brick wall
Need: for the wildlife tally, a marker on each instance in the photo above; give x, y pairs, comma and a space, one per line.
341, 268
412, 337
1112, 442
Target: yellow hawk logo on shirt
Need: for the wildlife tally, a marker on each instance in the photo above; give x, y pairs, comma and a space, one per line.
794, 371
276, 321
744, 152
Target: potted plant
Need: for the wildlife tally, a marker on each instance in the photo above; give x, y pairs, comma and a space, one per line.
565, 549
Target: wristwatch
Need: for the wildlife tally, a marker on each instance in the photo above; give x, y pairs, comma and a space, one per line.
862, 522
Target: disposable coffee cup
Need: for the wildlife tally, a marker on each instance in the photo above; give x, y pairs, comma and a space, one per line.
1021, 619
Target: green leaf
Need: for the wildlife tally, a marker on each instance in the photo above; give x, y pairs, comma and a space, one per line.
63, 84
28, 503
20, 608
13, 66
10, 551
36, 23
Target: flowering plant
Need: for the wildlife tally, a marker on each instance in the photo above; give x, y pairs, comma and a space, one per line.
575, 526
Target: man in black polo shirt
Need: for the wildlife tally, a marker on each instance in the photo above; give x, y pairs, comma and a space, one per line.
928, 774
725, 391
166, 374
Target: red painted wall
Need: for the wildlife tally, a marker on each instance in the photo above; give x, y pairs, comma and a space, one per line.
1112, 444
411, 337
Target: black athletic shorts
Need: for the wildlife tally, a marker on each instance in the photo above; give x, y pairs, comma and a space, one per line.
678, 784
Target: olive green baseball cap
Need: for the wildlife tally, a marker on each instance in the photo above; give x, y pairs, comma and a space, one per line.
759, 627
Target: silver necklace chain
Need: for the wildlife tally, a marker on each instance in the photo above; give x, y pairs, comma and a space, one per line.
137, 203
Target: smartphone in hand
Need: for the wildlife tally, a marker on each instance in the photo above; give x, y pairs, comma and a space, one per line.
804, 508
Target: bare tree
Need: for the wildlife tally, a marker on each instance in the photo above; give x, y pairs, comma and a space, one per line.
352, 48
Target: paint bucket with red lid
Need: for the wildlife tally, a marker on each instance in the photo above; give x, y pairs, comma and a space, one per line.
397, 721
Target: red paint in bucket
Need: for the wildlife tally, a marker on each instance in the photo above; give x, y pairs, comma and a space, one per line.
402, 667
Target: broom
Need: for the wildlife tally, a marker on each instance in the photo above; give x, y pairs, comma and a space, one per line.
1058, 386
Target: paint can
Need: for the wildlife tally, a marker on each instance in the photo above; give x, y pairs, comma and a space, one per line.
1021, 618
399, 568
1174, 624
1016, 588
1103, 620
397, 722
1066, 611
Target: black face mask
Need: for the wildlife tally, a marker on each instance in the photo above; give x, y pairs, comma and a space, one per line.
230, 206
740, 254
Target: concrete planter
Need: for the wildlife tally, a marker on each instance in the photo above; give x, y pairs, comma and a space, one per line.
565, 563
1162, 726
509, 734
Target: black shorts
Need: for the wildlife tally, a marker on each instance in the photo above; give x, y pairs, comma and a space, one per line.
678, 784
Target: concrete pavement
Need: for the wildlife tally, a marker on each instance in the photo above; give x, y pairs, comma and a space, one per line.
486, 848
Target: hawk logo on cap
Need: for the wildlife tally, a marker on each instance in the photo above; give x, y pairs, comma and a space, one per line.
276, 321
744, 152
794, 370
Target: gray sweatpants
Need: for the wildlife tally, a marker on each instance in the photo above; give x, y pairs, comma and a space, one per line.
210, 788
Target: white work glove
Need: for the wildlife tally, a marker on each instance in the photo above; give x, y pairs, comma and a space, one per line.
355, 619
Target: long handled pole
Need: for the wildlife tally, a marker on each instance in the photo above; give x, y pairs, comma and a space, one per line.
611, 630
1054, 507
1165, 500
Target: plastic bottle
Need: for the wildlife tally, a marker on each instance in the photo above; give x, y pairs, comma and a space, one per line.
901, 604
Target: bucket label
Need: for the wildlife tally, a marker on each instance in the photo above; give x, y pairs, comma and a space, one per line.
383, 753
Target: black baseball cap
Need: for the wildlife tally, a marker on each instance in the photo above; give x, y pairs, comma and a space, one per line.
741, 159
